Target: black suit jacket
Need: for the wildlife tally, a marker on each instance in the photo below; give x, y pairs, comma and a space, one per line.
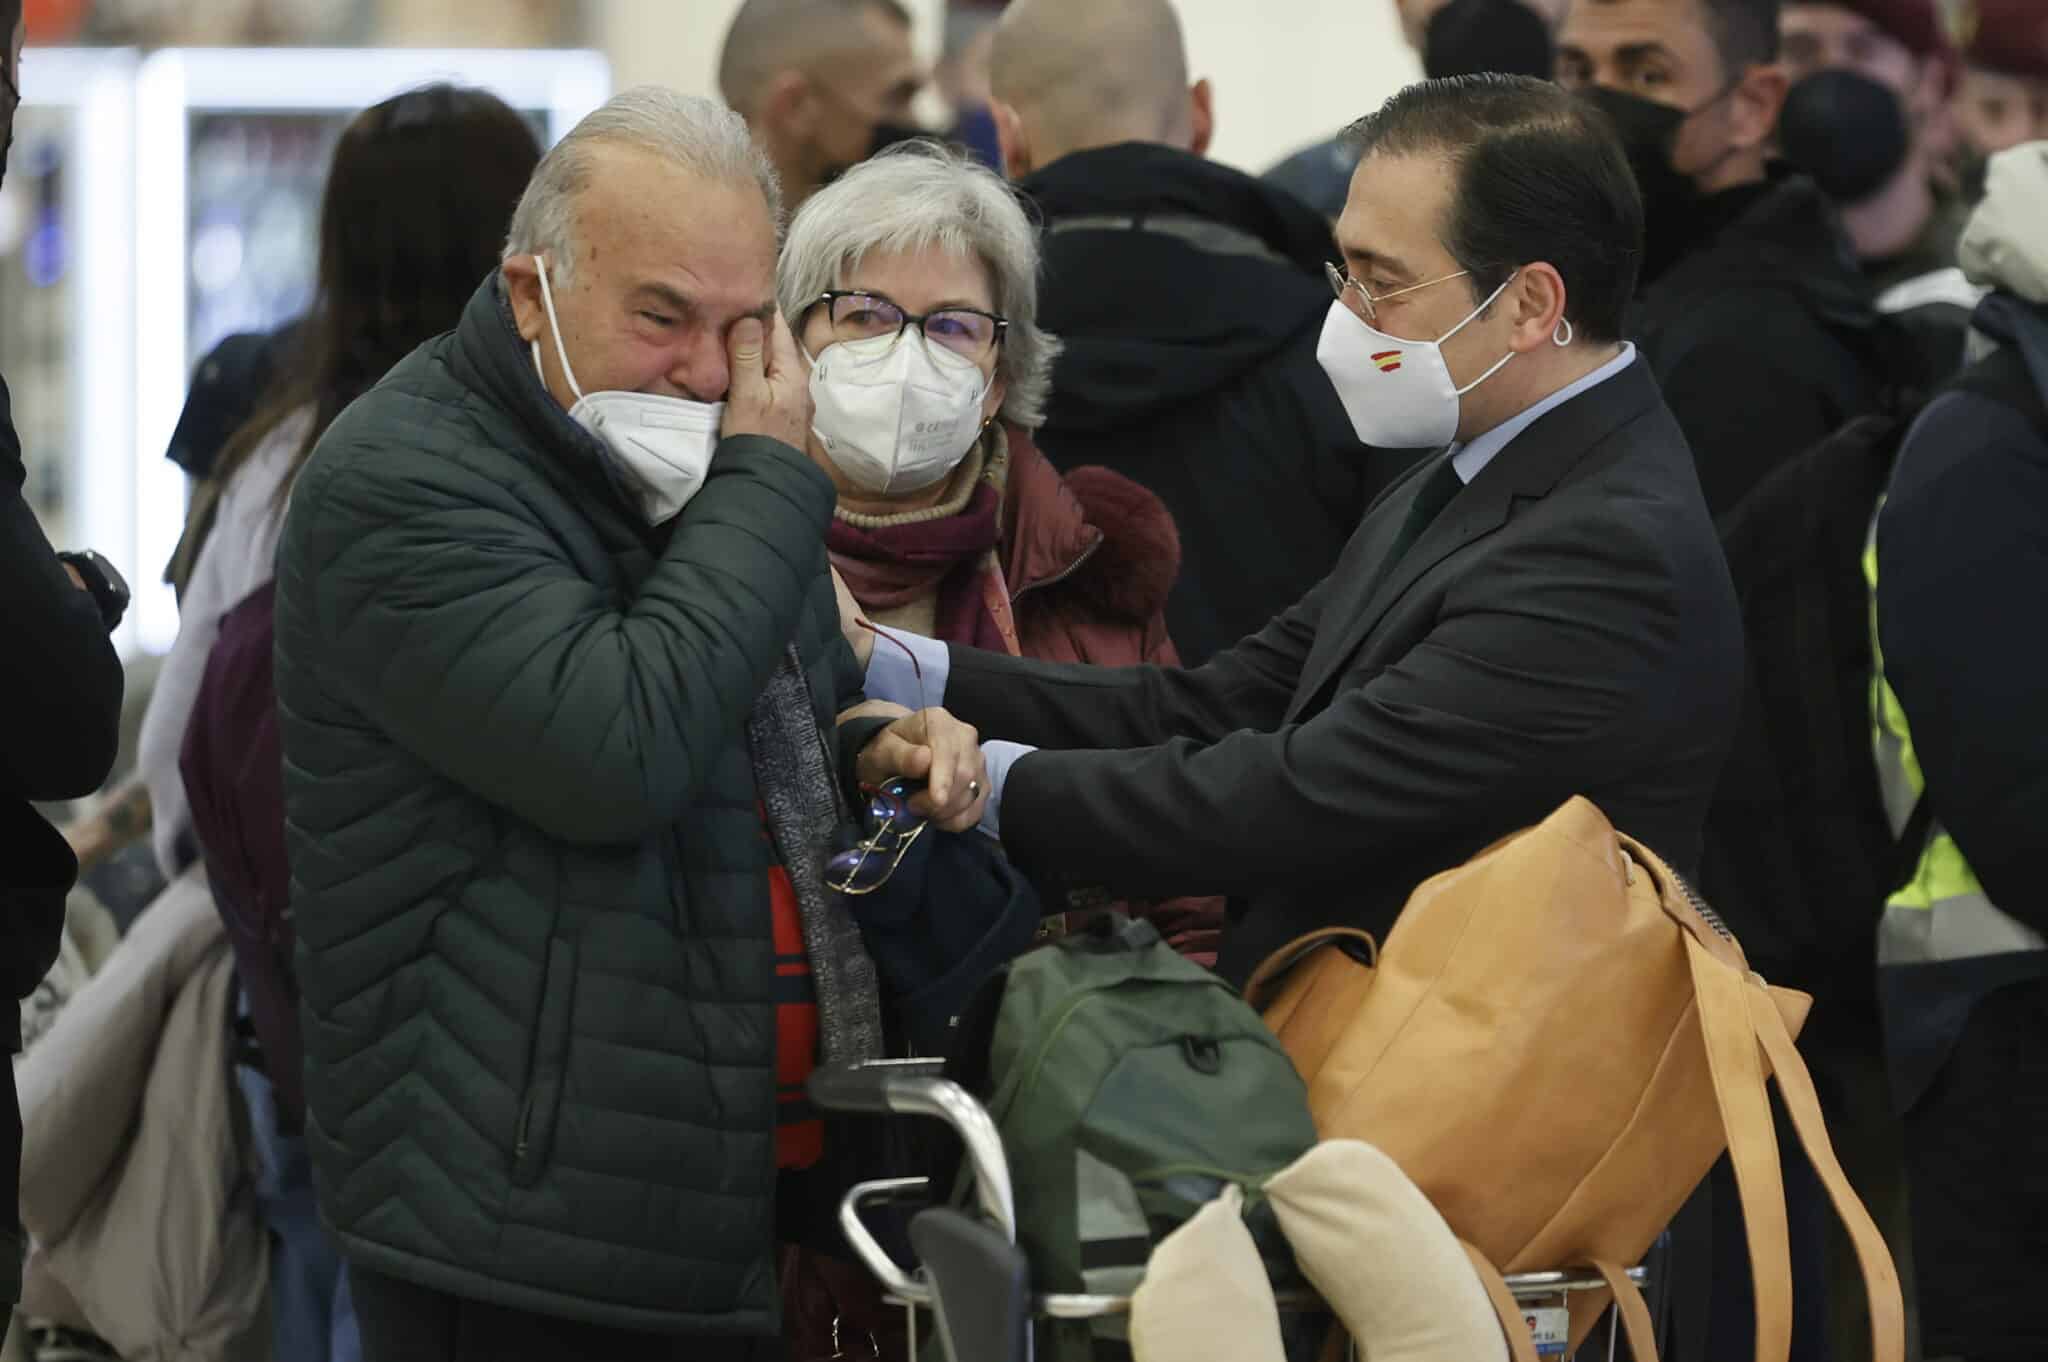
1565, 626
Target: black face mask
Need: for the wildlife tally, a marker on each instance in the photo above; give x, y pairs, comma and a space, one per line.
886, 135
1845, 130
1468, 37
1649, 132
892, 134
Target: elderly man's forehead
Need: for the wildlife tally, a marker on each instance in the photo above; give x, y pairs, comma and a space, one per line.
644, 214
630, 183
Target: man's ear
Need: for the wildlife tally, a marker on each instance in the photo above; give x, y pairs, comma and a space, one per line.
522, 287
788, 107
1010, 138
1754, 105
1537, 298
1202, 117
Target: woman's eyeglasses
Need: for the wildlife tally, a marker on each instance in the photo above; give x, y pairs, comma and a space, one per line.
966, 331
890, 830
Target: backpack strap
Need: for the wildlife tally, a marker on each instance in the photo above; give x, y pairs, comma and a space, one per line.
1741, 1024
1521, 1343
1736, 1065
1795, 1086
2004, 377
1634, 1311
1628, 1301
1358, 944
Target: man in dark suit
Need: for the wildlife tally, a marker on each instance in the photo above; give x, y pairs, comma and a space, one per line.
1539, 611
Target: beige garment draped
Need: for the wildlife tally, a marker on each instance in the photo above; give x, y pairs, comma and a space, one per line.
134, 1191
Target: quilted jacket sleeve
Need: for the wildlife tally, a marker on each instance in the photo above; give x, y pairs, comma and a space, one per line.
446, 611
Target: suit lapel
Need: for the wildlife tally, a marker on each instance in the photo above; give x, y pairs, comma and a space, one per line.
1529, 467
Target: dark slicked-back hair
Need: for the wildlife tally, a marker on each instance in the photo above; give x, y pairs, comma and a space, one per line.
1538, 176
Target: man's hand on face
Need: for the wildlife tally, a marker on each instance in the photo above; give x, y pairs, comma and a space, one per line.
770, 394
938, 749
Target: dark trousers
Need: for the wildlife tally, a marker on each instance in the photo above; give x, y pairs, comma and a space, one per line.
1975, 1147
401, 1322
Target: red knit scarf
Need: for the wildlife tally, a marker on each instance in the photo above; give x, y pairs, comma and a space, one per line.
890, 566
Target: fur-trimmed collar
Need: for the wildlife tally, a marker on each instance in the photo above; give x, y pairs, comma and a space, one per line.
1091, 532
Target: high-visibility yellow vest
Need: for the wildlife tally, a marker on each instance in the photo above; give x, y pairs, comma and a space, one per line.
1942, 912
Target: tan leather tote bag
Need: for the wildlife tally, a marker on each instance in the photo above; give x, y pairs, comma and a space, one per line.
1556, 1044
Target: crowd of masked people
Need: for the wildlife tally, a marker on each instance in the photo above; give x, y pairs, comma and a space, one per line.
682, 606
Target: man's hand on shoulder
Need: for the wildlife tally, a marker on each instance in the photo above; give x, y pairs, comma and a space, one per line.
938, 749
770, 393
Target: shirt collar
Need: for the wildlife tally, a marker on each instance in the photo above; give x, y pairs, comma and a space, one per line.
1468, 459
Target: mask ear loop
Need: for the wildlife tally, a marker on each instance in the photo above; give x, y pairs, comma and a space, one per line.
1490, 299
1564, 333
547, 299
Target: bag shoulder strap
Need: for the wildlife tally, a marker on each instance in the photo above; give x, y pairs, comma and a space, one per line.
1628, 1300
1635, 1312
2004, 377
1267, 975
1795, 1086
1521, 1343
1741, 1025
1736, 1066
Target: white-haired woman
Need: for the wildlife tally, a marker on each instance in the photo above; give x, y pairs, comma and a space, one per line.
912, 286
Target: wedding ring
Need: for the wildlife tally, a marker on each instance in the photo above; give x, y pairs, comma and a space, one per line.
974, 788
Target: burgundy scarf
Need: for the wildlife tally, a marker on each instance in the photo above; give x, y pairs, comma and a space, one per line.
889, 567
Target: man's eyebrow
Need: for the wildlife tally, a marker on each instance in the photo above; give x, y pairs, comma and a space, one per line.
1385, 264
1633, 52
668, 297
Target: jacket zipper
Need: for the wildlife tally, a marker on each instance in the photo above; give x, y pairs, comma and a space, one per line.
1060, 576
519, 1139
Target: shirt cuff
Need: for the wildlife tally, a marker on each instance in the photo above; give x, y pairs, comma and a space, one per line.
998, 757
909, 670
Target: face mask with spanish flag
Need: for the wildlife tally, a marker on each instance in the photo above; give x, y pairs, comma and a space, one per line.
1398, 393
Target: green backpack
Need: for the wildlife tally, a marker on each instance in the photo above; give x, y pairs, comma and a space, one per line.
1129, 1086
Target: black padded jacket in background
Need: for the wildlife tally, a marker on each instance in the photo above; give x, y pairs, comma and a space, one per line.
1762, 335
1190, 298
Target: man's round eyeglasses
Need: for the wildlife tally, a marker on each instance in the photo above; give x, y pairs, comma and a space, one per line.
1341, 283
966, 331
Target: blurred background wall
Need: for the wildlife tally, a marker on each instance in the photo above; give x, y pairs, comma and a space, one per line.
165, 181
1286, 72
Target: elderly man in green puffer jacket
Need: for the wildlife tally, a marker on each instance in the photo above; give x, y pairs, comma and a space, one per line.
568, 727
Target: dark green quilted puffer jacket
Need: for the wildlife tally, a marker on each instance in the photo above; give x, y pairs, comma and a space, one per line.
529, 877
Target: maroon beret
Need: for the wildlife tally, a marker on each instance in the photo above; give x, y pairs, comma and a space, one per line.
2006, 35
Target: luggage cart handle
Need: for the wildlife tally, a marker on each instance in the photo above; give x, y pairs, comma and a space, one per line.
909, 1089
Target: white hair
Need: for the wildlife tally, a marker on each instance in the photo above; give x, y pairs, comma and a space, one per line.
911, 198
699, 135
